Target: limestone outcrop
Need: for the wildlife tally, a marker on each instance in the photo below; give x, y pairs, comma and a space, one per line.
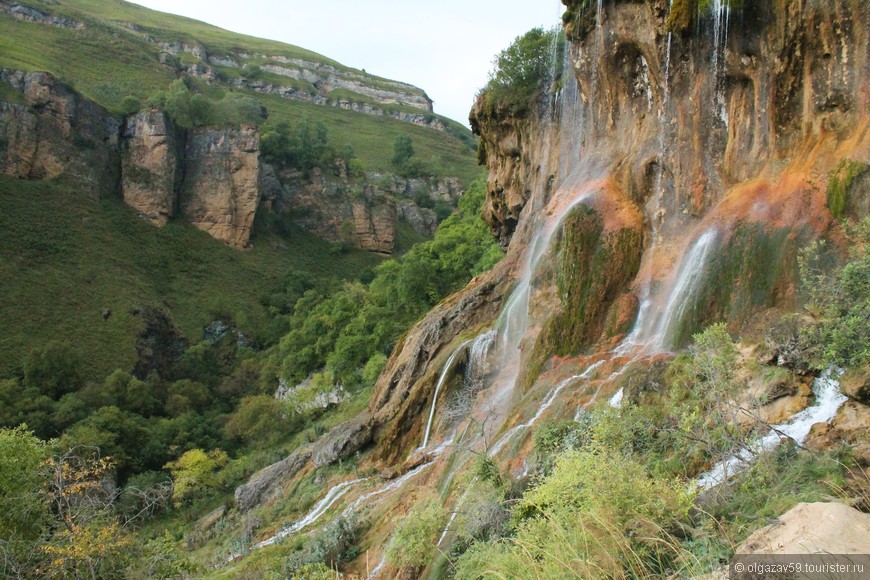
221, 182
51, 131
269, 480
813, 528
151, 164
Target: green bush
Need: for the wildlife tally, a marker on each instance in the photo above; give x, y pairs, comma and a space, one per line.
520, 72
414, 539
345, 330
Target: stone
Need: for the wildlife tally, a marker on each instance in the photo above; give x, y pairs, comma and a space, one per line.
813, 528
209, 520
221, 184
855, 384
269, 480
151, 167
342, 441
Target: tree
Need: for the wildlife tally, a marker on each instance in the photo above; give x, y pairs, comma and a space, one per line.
403, 150
520, 72
54, 369
23, 505
194, 472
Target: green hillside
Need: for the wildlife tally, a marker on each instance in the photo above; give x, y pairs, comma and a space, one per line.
116, 53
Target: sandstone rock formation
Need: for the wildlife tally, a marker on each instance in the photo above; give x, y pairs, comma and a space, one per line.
221, 183
55, 132
342, 441
813, 528
151, 164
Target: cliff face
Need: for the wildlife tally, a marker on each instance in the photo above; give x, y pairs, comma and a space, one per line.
727, 129
777, 89
221, 184
361, 211
151, 165
212, 177
44, 131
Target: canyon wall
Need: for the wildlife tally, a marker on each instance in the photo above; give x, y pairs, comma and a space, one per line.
211, 177
663, 128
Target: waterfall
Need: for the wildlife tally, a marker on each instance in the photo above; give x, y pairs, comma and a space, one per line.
829, 398
377, 569
654, 331
721, 14
332, 496
478, 354
548, 401
448, 366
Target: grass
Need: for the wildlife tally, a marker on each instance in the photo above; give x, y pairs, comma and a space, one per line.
71, 257
107, 61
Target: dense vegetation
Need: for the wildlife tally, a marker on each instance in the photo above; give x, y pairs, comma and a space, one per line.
522, 71
212, 404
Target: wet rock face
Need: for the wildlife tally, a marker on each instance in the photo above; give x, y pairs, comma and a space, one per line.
221, 185
678, 113
404, 390
151, 164
508, 156
53, 131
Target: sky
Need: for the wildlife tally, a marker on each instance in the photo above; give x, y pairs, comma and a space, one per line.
445, 47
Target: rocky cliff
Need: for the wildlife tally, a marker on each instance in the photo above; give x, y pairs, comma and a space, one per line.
659, 133
47, 131
211, 177
151, 165
221, 182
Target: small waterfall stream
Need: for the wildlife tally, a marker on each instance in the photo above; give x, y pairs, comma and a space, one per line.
332, 496
828, 400
448, 366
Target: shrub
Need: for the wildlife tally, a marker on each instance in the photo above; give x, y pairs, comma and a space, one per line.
414, 539
520, 72
194, 472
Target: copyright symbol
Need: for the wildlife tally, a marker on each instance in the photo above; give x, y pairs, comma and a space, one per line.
738, 567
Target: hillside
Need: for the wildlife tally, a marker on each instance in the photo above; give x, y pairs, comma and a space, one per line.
652, 345
70, 124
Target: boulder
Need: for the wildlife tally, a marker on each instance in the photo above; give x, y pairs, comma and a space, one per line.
813, 528
855, 384
342, 441
269, 479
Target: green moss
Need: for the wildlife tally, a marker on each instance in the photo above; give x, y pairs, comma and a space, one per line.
840, 185
754, 270
593, 268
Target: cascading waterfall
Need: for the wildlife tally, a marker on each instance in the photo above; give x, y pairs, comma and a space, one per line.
545, 404
828, 400
448, 366
332, 496
654, 331
721, 15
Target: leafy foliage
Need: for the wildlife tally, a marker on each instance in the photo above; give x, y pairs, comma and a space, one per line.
358, 325
840, 300
520, 72
413, 543
194, 472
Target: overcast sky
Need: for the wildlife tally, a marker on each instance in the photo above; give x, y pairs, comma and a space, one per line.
445, 47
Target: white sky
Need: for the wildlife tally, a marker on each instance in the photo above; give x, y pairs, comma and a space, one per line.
445, 47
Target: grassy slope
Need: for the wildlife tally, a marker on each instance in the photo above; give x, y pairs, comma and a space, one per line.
106, 61
68, 258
